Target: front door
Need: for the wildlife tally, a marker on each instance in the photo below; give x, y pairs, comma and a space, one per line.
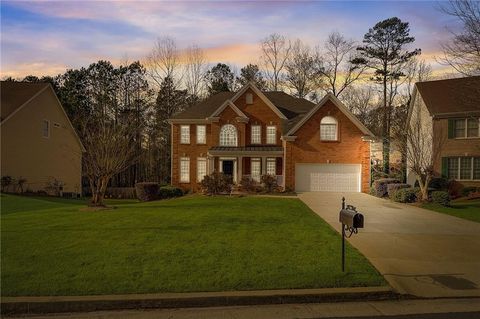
227, 167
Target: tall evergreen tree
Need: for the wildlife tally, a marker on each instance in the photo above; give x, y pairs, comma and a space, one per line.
219, 79
251, 73
384, 52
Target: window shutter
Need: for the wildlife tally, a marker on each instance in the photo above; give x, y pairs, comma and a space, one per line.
444, 167
451, 127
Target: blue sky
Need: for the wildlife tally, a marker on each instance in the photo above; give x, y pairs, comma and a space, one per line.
46, 37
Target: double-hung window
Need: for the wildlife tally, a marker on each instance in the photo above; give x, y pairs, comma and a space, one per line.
184, 170
271, 166
46, 128
465, 128
255, 166
256, 137
271, 134
463, 168
201, 168
185, 134
201, 134
328, 129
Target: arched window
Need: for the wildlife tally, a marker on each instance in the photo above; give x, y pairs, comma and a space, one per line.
328, 129
228, 135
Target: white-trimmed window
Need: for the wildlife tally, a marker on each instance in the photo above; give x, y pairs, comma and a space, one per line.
256, 169
201, 168
228, 135
271, 166
184, 134
184, 170
256, 136
201, 134
328, 129
463, 168
46, 128
466, 128
271, 134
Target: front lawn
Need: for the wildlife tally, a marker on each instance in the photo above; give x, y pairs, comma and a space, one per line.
466, 209
195, 243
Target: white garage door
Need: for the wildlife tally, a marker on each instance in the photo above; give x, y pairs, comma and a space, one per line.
328, 177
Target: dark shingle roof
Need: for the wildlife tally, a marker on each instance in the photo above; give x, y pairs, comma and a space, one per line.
452, 95
290, 106
15, 94
247, 148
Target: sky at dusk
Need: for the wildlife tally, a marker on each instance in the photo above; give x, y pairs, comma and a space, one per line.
47, 37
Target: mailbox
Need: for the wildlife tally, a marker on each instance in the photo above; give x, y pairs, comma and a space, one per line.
351, 218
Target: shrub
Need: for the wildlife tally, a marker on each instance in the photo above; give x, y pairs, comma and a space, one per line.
6, 182
441, 197
455, 189
405, 195
146, 191
169, 192
20, 183
392, 188
121, 192
439, 184
380, 186
269, 183
217, 183
465, 192
54, 187
249, 185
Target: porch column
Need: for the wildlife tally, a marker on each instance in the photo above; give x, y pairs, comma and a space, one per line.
240, 168
211, 164
264, 165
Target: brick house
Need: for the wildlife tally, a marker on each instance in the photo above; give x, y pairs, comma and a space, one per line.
450, 110
307, 146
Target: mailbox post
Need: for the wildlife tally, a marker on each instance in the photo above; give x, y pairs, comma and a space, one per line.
351, 220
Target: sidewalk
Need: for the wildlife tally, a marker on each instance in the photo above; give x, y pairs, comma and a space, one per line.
324, 310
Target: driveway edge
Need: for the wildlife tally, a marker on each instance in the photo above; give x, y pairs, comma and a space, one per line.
59, 304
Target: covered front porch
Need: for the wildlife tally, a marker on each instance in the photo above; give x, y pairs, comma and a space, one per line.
251, 162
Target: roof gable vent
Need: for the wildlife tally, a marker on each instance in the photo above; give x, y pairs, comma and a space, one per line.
249, 98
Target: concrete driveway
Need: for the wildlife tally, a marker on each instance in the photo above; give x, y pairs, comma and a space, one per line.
419, 252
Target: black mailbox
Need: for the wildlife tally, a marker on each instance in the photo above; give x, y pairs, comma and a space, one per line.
351, 218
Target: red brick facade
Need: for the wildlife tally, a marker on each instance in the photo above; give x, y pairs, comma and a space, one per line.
307, 148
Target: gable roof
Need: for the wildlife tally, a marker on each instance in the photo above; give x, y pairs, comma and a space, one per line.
284, 105
13, 95
460, 95
17, 95
232, 106
298, 122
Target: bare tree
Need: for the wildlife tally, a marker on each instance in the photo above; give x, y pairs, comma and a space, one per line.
164, 60
361, 100
275, 52
302, 74
463, 50
421, 147
108, 151
336, 67
195, 69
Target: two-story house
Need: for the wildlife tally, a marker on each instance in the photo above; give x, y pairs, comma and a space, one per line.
307, 146
450, 110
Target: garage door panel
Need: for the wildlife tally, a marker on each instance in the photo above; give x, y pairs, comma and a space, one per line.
327, 177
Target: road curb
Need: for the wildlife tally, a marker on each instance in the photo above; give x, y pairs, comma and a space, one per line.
59, 304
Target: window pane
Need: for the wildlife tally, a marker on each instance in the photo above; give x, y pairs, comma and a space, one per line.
46, 128
256, 134
201, 168
201, 134
255, 168
465, 168
460, 128
271, 135
185, 134
228, 135
271, 165
476, 168
472, 128
453, 168
184, 170
328, 132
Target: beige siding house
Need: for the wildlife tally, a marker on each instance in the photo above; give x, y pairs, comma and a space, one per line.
38, 141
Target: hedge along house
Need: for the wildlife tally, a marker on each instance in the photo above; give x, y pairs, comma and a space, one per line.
249, 133
38, 140
450, 111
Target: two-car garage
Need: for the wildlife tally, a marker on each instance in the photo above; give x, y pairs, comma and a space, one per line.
328, 177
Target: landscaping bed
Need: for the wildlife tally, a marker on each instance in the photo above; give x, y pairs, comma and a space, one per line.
466, 209
193, 243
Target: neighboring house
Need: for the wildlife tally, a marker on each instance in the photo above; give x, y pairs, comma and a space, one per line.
38, 141
450, 111
309, 147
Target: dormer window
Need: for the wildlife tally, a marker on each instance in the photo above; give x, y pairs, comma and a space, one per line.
328, 129
249, 98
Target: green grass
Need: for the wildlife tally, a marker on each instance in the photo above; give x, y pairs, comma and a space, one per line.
466, 209
51, 247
